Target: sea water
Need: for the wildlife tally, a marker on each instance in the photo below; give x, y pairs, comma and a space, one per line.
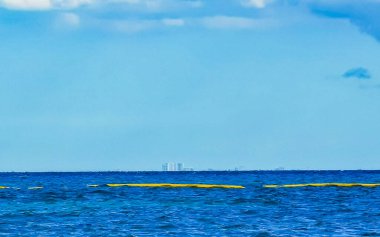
66, 206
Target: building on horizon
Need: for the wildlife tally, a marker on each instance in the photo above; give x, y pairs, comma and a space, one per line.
171, 166
180, 167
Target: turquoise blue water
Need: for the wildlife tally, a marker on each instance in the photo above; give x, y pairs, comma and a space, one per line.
67, 207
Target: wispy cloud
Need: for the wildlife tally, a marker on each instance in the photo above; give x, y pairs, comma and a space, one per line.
364, 13
214, 22
173, 22
234, 14
358, 73
153, 5
69, 19
129, 26
230, 22
31, 5
137, 25
370, 87
256, 3
26, 4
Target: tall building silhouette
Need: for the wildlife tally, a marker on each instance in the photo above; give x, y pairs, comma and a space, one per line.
170, 166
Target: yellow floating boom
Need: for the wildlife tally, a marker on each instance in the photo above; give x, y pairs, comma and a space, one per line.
3, 187
170, 185
369, 185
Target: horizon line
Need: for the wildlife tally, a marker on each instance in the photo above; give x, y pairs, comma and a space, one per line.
160, 171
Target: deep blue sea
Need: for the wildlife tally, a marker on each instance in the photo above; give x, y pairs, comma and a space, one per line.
67, 207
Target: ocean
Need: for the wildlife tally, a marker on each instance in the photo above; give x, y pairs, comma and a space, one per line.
66, 206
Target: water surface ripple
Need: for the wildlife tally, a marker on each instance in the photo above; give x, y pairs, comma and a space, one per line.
67, 207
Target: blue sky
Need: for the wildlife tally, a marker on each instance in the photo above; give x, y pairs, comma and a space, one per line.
131, 84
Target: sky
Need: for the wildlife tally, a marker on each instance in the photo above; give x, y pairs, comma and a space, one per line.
89, 85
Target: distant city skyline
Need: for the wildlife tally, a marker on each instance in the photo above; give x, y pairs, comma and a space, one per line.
130, 85
172, 166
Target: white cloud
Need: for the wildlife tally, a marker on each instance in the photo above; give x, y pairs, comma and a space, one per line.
138, 25
151, 5
67, 21
214, 22
228, 22
173, 22
256, 3
70, 19
70, 3
128, 26
26, 4
43, 4
164, 5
